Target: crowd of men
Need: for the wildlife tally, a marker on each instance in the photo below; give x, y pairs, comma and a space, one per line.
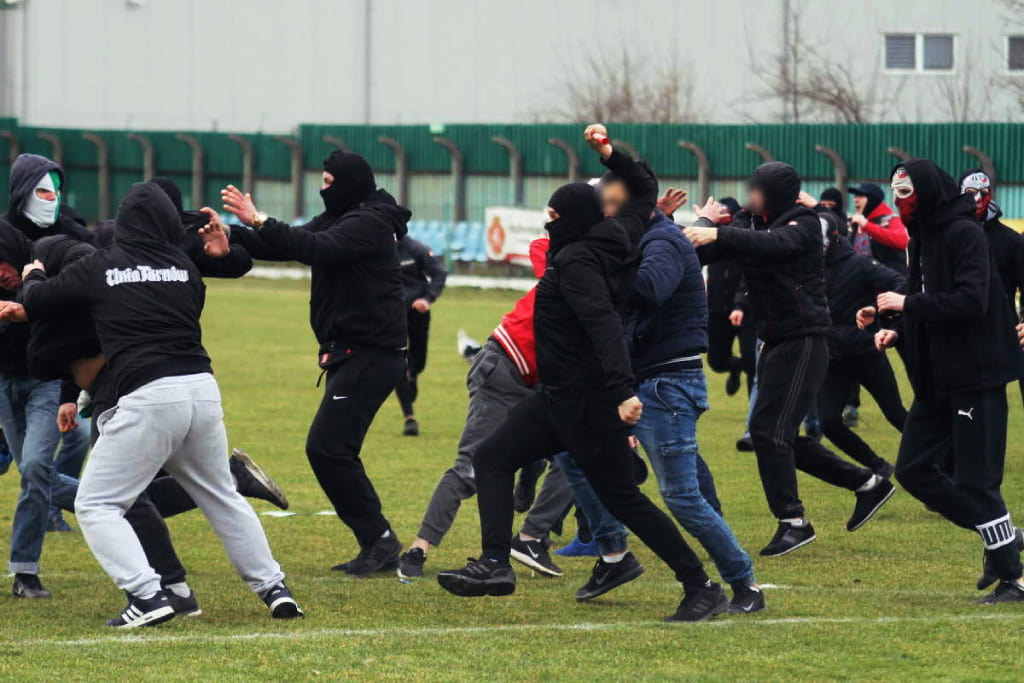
601, 361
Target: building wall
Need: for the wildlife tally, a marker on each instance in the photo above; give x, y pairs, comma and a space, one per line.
266, 65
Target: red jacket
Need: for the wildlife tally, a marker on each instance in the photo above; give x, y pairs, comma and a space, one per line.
886, 227
515, 333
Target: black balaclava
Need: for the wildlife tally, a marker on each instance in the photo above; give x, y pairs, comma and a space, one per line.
780, 184
832, 194
578, 209
353, 182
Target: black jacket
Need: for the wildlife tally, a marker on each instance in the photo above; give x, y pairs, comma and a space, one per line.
853, 281
1007, 247
356, 293
957, 328
581, 347
15, 252
26, 171
144, 294
423, 274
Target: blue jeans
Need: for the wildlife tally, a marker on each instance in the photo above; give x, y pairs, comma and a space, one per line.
74, 446
28, 414
608, 532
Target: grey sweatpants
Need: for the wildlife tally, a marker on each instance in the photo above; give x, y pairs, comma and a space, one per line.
174, 423
495, 386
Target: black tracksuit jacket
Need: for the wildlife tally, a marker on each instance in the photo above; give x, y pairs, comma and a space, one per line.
423, 274
144, 294
957, 326
356, 296
1007, 247
581, 346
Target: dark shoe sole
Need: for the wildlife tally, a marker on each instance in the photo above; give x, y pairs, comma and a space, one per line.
790, 549
277, 496
526, 559
407, 578
875, 509
389, 566
721, 608
466, 588
635, 573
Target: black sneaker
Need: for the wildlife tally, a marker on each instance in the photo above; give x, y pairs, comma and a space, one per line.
186, 606
702, 603
29, 586
884, 469
733, 381
534, 554
745, 444
1006, 591
869, 502
410, 565
380, 556
141, 612
788, 538
479, 578
988, 575
411, 428
605, 576
281, 603
252, 482
746, 599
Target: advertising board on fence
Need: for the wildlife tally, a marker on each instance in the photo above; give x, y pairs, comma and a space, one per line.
509, 232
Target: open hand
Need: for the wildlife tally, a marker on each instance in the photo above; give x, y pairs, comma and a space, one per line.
712, 211
891, 301
239, 204
671, 201
214, 234
866, 317
807, 200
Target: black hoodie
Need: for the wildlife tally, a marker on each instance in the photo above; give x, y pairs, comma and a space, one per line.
957, 329
144, 294
581, 346
356, 291
15, 252
26, 172
782, 256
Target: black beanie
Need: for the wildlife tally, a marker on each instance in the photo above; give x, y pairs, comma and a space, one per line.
780, 184
353, 182
578, 209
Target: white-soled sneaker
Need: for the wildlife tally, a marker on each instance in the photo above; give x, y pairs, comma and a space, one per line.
141, 612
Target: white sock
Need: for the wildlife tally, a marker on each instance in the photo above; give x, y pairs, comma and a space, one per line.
613, 559
795, 521
148, 596
180, 589
870, 483
386, 534
524, 537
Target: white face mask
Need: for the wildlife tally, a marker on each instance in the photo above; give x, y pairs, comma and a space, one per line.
40, 211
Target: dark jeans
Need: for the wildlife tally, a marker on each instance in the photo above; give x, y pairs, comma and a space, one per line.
416, 360
789, 377
590, 430
873, 372
354, 392
969, 429
721, 336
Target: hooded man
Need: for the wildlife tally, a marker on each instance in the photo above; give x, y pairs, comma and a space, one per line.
782, 255
36, 203
877, 229
957, 334
832, 199
588, 403
146, 296
358, 315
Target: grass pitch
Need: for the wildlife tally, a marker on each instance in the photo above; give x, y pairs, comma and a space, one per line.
891, 601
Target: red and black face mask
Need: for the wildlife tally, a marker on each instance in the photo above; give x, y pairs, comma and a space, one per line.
904, 193
979, 186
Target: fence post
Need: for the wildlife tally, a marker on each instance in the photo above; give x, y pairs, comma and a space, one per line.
703, 169
298, 182
57, 151
515, 168
458, 177
13, 149
762, 152
838, 165
401, 168
900, 154
570, 156
148, 158
248, 160
197, 167
103, 174
985, 160
336, 142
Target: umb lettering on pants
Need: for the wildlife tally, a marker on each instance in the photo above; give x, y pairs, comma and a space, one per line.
997, 533
121, 276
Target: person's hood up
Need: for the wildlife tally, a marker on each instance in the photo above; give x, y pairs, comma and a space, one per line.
353, 182
394, 213
977, 179
779, 183
578, 208
935, 192
874, 193
147, 214
838, 247
59, 251
26, 173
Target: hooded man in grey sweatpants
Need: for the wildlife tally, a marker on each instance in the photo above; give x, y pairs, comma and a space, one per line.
145, 296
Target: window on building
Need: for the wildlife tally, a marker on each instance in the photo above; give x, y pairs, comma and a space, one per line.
1015, 59
937, 53
900, 52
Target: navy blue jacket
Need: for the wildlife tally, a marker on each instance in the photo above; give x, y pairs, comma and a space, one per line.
667, 317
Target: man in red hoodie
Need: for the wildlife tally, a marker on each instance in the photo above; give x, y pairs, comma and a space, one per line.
877, 230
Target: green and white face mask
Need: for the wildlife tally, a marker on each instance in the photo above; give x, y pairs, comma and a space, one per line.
43, 205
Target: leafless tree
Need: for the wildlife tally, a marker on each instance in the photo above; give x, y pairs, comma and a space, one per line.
965, 97
1014, 82
626, 88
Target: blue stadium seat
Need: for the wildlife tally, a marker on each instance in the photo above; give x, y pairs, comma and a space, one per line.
457, 241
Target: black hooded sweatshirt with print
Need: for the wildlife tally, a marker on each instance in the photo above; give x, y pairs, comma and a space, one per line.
592, 265
782, 256
957, 327
26, 172
144, 294
356, 293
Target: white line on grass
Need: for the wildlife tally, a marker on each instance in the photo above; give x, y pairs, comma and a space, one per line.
501, 628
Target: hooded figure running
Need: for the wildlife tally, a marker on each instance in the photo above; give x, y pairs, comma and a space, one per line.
146, 296
358, 315
957, 334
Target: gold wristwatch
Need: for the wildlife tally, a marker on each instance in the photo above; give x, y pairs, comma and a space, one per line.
258, 219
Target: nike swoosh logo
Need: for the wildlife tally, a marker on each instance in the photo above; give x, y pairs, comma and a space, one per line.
747, 608
340, 398
600, 581
532, 554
